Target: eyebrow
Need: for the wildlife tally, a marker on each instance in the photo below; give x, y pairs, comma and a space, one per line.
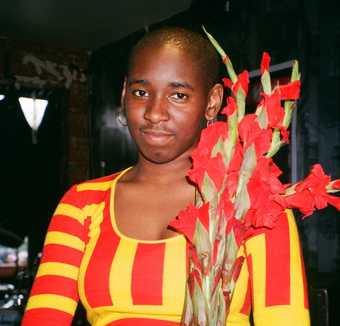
178, 84
175, 84
138, 81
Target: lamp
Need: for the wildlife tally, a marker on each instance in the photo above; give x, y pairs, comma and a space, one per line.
2, 96
34, 110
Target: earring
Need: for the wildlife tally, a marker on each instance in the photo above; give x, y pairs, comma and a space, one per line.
211, 122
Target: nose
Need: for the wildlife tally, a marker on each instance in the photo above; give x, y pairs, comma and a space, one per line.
156, 110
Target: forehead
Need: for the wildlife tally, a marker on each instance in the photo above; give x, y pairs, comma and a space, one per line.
166, 62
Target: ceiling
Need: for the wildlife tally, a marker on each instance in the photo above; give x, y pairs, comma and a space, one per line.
81, 23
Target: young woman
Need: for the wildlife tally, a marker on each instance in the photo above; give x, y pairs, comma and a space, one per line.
109, 243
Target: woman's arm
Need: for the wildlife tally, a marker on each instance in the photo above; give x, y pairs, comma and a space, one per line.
54, 295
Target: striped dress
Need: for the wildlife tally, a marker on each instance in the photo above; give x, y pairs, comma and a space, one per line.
124, 281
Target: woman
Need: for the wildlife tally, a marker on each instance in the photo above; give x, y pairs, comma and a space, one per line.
109, 242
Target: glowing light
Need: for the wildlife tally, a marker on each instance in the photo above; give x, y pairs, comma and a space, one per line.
34, 110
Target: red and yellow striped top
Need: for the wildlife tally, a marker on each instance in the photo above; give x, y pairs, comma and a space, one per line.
124, 281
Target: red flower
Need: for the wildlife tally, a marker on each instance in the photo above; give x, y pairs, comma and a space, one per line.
243, 82
185, 222
239, 229
209, 138
311, 193
251, 133
265, 62
230, 108
275, 112
284, 134
336, 184
227, 82
213, 166
290, 91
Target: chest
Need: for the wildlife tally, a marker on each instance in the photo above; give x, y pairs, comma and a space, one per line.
124, 274
146, 213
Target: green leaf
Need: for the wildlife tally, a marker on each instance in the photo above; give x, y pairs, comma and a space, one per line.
225, 58
241, 104
262, 117
295, 71
208, 188
266, 83
218, 148
188, 309
202, 244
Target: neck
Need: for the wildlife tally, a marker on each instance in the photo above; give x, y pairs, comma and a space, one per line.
161, 173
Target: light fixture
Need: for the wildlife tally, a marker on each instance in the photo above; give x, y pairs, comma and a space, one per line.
34, 110
2, 96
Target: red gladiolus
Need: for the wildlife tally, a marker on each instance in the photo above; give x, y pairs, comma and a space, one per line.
336, 184
251, 133
243, 82
311, 193
227, 82
185, 222
214, 167
284, 134
238, 228
290, 91
230, 108
265, 62
209, 138
274, 109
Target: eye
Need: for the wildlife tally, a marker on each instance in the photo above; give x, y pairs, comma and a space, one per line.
140, 93
179, 96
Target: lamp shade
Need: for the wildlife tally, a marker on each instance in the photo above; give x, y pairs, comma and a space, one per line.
34, 110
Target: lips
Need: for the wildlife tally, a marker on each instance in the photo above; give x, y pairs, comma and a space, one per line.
157, 136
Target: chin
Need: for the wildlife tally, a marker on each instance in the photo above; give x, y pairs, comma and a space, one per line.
159, 157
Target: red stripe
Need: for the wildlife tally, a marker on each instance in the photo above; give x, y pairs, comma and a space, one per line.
52, 284
61, 254
60, 223
142, 322
147, 274
248, 299
98, 270
46, 317
278, 264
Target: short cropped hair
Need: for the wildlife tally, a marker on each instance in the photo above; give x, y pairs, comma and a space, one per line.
199, 47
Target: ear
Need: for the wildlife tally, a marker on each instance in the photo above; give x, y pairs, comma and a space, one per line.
215, 99
122, 96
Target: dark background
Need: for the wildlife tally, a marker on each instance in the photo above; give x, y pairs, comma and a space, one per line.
305, 30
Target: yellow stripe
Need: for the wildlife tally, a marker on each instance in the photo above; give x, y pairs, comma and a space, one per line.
59, 269
121, 273
283, 316
256, 247
174, 275
94, 235
102, 318
101, 186
61, 238
296, 280
52, 301
70, 211
240, 292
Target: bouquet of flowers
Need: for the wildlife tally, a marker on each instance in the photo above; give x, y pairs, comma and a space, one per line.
239, 188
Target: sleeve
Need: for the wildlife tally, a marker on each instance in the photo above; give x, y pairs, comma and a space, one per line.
54, 295
272, 282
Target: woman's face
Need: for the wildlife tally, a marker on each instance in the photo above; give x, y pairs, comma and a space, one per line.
165, 99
